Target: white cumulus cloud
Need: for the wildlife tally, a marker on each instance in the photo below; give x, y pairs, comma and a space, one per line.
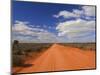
22, 32
76, 29
87, 11
66, 14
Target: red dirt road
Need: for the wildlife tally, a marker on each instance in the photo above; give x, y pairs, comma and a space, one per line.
60, 57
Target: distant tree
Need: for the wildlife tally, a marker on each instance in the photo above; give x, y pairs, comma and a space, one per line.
16, 45
16, 41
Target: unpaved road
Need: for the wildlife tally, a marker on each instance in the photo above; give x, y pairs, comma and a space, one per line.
60, 57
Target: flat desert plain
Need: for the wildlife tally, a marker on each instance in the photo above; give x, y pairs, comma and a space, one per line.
59, 57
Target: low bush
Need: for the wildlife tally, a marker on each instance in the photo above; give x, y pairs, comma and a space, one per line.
17, 60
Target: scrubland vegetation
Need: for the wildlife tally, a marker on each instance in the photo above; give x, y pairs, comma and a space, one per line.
23, 51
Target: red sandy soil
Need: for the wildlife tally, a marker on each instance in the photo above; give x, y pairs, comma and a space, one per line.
60, 57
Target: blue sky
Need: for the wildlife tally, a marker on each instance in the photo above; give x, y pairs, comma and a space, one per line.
49, 22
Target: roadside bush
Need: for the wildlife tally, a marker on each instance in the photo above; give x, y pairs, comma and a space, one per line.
17, 60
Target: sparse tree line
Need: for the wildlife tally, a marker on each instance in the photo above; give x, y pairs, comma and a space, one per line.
19, 51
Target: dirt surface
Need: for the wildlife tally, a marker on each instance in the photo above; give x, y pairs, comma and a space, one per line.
59, 57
